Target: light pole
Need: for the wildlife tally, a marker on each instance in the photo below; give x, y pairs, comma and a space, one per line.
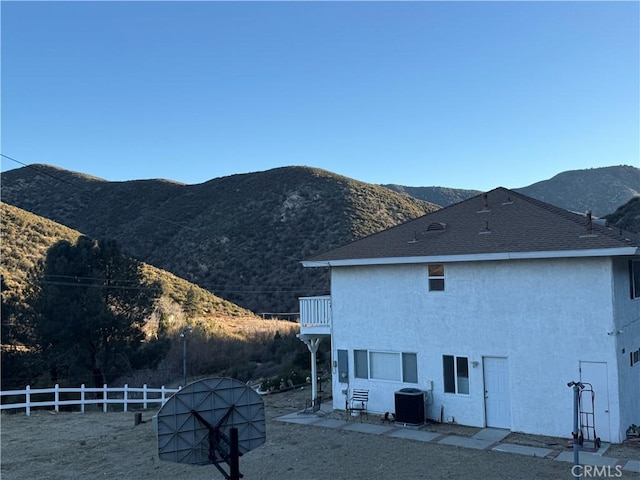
183, 335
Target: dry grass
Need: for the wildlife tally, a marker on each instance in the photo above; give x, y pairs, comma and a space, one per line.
99, 445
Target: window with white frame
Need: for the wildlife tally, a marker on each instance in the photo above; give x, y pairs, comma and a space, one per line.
436, 277
456, 374
391, 366
634, 277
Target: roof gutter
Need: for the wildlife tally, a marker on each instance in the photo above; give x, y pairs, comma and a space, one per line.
480, 257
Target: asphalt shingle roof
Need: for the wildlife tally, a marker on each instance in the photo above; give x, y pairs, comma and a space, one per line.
500, 221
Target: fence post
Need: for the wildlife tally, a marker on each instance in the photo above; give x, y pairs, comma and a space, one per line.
125, 396
104, 397
56, 399
82, 398
27, 399
144, 396
162, 390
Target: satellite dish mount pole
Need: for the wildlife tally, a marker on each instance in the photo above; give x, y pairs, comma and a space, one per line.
217, 452
234, 472
577, 386
209, 421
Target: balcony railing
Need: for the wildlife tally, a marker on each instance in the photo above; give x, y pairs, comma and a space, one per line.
315, 315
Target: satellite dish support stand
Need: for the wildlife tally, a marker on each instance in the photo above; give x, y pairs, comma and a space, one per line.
217, 452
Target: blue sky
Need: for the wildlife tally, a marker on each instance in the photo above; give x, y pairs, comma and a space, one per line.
458, 94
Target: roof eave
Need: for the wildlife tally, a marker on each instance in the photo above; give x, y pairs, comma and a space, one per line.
602, 252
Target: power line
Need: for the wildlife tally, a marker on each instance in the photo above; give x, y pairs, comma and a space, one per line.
174, 223
236, 287
82, 277
96, 285
43, 172
215, 289
216, 292
37, 169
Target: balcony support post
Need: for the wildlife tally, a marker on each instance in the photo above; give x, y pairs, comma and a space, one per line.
312, 344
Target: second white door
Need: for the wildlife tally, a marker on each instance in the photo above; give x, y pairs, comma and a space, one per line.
496, 392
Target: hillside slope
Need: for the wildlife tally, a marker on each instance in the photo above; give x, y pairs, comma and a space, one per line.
225, 339
442, 196
26, 237
627, 216
601, 190
241, 237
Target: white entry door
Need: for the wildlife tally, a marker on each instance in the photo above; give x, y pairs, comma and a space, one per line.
496, 392
595, 373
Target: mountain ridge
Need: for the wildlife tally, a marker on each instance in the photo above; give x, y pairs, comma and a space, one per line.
600, 190
240, 237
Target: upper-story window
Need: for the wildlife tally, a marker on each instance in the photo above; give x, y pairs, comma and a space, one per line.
634, 276
436, 277
634, 357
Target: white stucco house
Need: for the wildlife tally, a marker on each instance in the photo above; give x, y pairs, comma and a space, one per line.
490, 306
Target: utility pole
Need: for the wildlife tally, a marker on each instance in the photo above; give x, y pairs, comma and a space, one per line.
183, 335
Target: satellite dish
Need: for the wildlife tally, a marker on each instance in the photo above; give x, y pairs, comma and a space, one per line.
211, 421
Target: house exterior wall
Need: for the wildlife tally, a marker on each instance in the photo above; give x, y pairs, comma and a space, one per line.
543, 316
627, 334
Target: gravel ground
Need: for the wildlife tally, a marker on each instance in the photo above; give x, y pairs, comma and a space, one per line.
98, 445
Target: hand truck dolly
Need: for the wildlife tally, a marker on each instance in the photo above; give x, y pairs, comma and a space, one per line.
587, 438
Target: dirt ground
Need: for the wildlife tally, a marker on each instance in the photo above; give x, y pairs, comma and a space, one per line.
107, 445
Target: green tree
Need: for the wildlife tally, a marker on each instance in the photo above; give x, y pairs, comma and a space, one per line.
19, 364
90, 304
191, 306
7, 309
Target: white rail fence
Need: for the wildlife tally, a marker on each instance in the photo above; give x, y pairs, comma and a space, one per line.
50, 397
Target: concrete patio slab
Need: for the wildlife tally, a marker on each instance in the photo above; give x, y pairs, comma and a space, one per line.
603, 448
483, 440
330, 423
414, 435
587, 459
466, 442
491, 434
523, 450
632, 466
303, 419
367, 428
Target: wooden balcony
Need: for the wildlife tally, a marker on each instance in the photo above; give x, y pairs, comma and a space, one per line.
315, 315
